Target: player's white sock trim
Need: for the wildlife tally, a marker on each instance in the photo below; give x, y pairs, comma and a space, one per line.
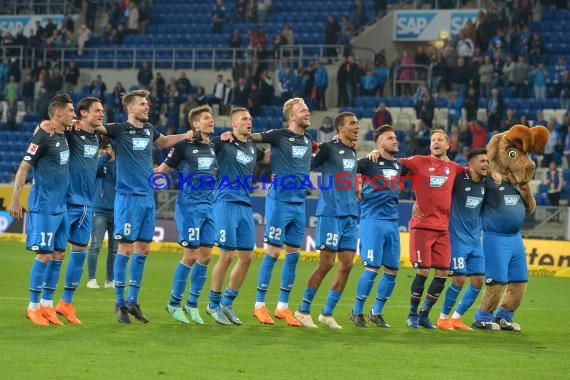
33, 306
259, 304
282, 305
443, 316
456, 315
46, 303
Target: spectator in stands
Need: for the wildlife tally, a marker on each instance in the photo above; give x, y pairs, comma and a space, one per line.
218, 16
554, 180
160, 84
553, 145
278, 42
540, 120
498, 64
132, 17
321, 82
11, 90
450, 58
55, 83
509, 71
144, 17
253, 99
217, 91
289, 34
258, 42
263, 9
241, 92
460, 77
251, 11
359, 19
238, 70
509, 121
523, 120
201, 95
71, 76
485, 77
465, 137
524, 12
266, 88
421, 58
11, 114
539, 82
421, 138
183, 84
28, 93
479, 134
381, 116
352, 79
262, 169
190, 103
438, 71
535, 49
520, 77
563, 90
3, 74
144, 76
369, 83
326, 130
465, 47
14, 69
117, 98
453, 142
285, 80
454, 106
82, 37
425, 108
91, 13
235, 42
406, 72
240, 8
495, 110
42, 103
559, 70
228, 99
98, 88
471, 104
566, 146
381, 75
332, 34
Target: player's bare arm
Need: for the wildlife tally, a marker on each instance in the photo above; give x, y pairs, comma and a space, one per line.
19, 182
162, 168
167, 141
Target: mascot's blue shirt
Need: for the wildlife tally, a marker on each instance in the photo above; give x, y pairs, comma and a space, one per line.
503, 208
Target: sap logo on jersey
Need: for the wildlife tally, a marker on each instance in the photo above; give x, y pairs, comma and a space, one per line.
389, 173
243, 158
299, 151
437, 180
473, 202
511, 200
140, 143
205, 162
411, 25
63, 157
458, 20
348, 164
90, 151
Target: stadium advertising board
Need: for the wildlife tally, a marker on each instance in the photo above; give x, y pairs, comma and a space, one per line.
429, 25
13, 24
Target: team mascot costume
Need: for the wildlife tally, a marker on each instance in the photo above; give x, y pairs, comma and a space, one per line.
502, 216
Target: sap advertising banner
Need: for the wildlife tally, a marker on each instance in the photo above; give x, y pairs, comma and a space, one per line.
427, 25
13, 24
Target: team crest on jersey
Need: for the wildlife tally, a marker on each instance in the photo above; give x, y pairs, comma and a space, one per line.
446, 170
437, 180
431, 169
473, 202
146, 132
82, 137
291, 139
511, 200
299, 151
243, 158
63, 157
381, 163
341, 152
205, 162
140, 143
57, 145
468, 189
389, 173
32, 149
348, 164
90, 151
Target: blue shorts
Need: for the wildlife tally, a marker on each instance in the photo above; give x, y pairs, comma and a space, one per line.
195, 225
80, 224
235, 229
380, 243
466, 259
285, 223
134, 218
505, 258
46, 233
336, 233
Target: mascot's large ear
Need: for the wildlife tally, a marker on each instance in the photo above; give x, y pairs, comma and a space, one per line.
541, 136
521, 137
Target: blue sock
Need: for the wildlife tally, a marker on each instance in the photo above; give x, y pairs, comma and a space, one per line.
308, 296
73, 274
120, 269
197, 280
51, 278
229, 297
502, 313
265, 271
288, 276
37, 275
332, 300
468, 299
215, 299
179, 284
450, 298
137, 269
483, 316
383, 292
363, 289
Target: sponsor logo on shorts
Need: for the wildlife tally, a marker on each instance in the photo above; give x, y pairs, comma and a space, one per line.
437, 180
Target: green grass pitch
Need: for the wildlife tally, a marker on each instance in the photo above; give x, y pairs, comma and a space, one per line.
101, 348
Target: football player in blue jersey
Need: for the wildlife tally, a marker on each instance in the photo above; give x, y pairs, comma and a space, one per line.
379, 229
83, 146
194, 213
46, 227
235, 228
465, 235
291, 153
134, 200
337, 213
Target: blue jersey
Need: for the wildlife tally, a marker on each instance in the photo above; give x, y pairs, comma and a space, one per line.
49, 157
197, 166
236, 161
83, 148
466, 203
290, 162
337, 190
503, 208
105, 183
133, 151
380, 200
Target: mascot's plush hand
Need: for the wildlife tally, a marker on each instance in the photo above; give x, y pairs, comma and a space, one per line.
509, 155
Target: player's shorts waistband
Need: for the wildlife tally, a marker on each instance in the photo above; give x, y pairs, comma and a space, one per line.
500, 234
